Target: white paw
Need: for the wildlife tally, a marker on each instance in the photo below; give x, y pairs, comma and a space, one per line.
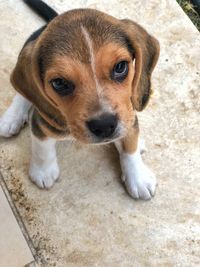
140, 184
44, 177
10, 124
139, 180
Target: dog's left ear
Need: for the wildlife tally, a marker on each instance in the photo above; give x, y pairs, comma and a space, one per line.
146, 49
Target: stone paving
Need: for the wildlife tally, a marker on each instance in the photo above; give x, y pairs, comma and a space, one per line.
88, 219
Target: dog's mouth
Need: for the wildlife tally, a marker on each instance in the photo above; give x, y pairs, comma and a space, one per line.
107, 140
118, 134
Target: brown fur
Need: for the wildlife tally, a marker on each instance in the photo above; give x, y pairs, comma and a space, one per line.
130, 141
61, 51
42, 129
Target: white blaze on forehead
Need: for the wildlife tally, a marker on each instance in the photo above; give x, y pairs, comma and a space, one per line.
105, 106
92, 58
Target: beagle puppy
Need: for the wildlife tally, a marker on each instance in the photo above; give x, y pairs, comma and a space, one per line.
86, 74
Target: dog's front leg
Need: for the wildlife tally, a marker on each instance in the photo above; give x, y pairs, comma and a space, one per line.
44, 170
139, 180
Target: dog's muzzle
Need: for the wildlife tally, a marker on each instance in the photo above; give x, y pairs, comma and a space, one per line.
104, 126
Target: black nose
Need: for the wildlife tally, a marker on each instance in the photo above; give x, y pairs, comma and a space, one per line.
103, 126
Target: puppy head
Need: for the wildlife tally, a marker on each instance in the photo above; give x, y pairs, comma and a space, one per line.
94, 71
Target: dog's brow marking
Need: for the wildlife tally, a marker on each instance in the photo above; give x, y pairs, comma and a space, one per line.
92, 59
105, 107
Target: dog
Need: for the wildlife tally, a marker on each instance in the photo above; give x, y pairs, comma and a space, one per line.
86, 74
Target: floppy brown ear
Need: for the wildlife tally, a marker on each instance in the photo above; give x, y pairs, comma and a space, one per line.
146, 49
26, 79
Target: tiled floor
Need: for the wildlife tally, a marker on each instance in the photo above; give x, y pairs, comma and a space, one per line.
87, 219
14, 250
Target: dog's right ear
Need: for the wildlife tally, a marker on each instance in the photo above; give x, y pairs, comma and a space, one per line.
26, 79
146, 53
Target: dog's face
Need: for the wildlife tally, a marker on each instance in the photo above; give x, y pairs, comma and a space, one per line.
94, 95
94, 70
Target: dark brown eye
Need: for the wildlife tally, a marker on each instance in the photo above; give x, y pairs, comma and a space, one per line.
62, 87
120, 71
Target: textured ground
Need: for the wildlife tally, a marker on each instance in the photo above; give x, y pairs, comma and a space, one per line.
87, 219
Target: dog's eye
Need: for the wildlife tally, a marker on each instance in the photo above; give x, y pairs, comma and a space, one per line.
120, 71
62, 86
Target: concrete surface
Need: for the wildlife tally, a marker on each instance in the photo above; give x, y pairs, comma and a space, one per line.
87, 219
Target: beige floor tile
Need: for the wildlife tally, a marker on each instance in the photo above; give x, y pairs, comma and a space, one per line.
14, 250
87, 219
